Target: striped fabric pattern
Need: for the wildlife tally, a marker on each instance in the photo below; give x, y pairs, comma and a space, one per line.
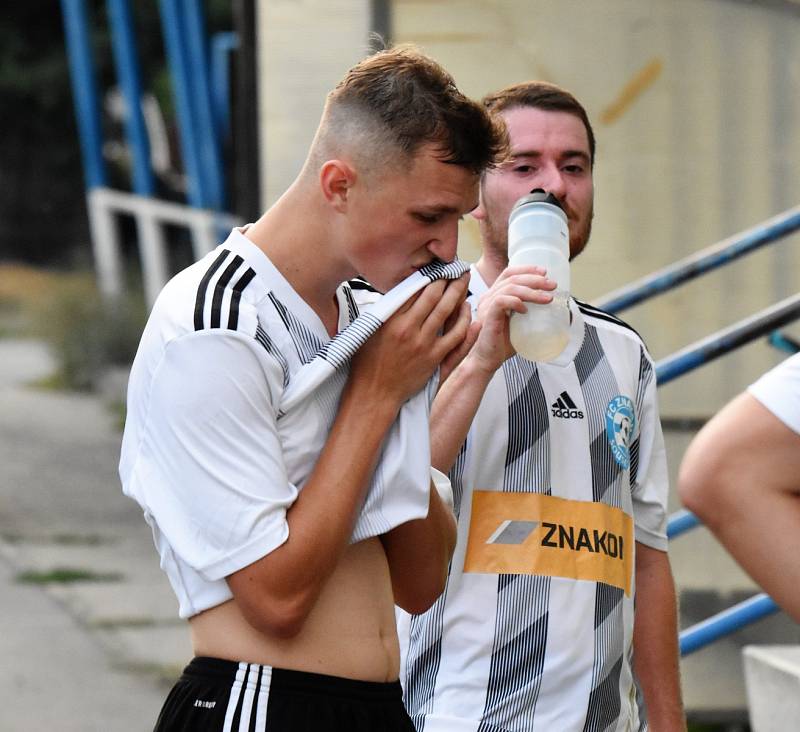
247, 705
306, 343
518, 653
341, 348
219, 295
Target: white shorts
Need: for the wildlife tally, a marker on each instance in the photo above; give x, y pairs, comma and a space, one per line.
779, 391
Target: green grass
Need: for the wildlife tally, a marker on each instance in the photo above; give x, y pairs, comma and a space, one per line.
58, 539
66, 575
118, 409
85, 332
79, 540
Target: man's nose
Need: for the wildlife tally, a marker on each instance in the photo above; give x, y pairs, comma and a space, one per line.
445, 245
552, 180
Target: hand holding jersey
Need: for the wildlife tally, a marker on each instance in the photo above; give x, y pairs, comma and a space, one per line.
403, 354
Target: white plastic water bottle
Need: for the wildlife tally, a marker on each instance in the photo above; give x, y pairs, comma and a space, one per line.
538, 235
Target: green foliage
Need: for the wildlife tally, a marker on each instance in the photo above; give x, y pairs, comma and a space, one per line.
86, 332
66, 575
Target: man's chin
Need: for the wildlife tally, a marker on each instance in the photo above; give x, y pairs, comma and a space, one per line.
579, 244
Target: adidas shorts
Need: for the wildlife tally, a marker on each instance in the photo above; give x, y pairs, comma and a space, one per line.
779, 391
214, 695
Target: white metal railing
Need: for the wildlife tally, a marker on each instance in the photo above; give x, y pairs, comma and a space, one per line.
207, 229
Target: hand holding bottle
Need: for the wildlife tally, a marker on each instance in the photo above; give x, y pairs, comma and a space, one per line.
538, 235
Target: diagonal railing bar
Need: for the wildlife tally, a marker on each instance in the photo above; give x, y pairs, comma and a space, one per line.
680, 522
728, 339
701, 262
726, 622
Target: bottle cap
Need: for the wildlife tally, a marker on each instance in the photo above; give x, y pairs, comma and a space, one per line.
538, 195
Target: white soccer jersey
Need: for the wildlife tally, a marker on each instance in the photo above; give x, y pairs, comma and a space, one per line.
779, 391
212, 451
563, 470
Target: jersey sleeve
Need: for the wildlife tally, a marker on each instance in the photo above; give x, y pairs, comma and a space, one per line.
210, 466
650, 478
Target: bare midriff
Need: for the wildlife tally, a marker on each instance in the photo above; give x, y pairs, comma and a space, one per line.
350, 632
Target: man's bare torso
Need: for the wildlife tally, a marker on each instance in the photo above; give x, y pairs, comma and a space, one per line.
349, 633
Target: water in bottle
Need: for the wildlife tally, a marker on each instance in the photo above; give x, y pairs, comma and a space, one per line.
538, 235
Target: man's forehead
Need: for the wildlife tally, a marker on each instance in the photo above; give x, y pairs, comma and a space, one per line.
437, 203
531, 129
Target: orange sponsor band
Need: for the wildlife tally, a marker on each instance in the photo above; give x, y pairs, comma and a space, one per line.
531, 533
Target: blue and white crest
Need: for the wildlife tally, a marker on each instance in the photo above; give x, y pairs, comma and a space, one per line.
620, 428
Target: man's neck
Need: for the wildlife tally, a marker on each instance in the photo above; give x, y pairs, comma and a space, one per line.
491, 264
292, 234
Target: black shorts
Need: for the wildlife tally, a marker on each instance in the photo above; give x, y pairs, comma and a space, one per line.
214, 695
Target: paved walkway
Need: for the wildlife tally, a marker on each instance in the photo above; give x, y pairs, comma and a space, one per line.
86, 655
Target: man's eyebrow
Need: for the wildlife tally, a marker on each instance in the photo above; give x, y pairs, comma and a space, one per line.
566, 154
442, 209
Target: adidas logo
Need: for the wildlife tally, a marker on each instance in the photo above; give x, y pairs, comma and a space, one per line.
565, 408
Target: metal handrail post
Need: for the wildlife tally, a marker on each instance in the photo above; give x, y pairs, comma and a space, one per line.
209, 152
178, 59
726, 340
701, 262
84, 91
726, 622
223, 44
127, 63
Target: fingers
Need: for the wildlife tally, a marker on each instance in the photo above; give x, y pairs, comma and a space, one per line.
457, 354
447, 307
455, 331
437, 302
521, 269
520, 282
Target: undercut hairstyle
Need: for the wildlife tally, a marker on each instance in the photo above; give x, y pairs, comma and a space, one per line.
540, 95
398, 100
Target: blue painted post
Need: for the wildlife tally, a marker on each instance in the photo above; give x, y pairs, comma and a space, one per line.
209, 152
222, 44
84, 91
180, 72
127, 63
726, 622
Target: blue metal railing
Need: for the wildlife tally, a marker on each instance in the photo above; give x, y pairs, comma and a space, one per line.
222, 45
123, 44
726, 622
183, 26
702, 352
194, 116
783, 342
84, 91
727, 340
680, 522
706, 260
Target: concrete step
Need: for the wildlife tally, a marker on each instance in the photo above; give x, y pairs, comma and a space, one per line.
772, 675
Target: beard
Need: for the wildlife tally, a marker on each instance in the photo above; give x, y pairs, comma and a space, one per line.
579, 235
494, 233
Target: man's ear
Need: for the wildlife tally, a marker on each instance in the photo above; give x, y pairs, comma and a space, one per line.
479, 212
336, 178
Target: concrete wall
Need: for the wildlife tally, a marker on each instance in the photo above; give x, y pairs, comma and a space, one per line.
304, 48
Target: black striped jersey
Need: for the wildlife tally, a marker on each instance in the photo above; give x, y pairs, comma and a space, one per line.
562, 472
212, 450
